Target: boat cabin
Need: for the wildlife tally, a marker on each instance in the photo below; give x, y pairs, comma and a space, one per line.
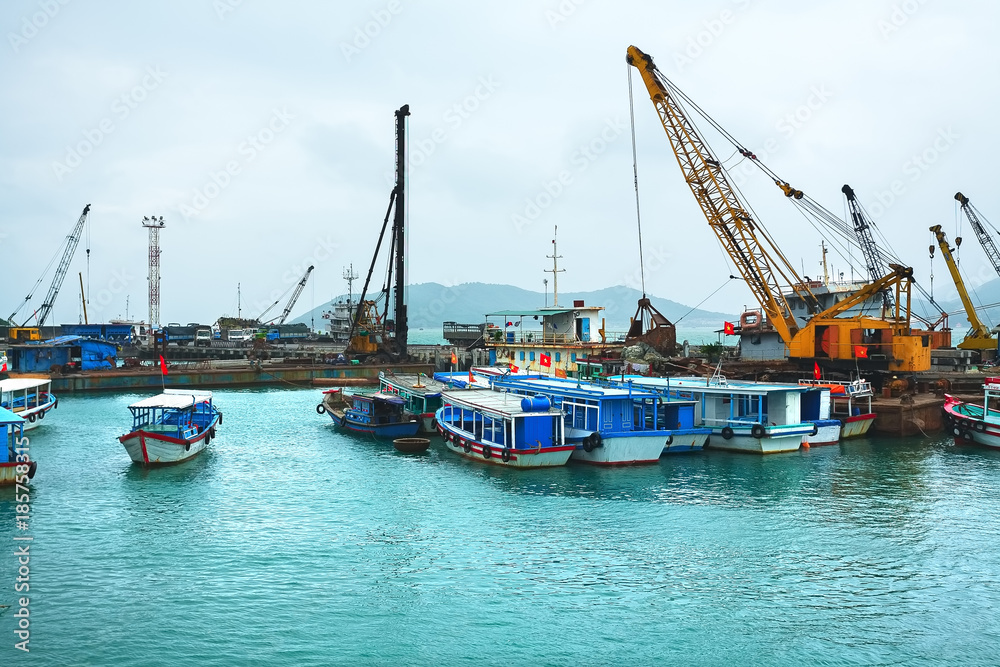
375, 409
174, 413
503, 420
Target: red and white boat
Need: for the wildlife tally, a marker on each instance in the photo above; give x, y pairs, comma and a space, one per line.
851, 404
172, 427
971, 423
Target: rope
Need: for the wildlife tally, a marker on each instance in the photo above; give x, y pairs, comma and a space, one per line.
705, 299
635, 178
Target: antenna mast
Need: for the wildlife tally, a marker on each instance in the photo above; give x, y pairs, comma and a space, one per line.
555, 270
154, 224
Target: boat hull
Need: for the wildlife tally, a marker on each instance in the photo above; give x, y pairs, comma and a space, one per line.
687, 440
827, 433
8, 472
964, 421
775, 440
153, 449
543, 457
857, 425
622, 450
34, 417
391, 431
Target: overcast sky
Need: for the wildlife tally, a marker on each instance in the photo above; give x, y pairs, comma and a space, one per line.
263, 133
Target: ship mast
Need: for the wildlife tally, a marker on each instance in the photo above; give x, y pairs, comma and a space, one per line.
555, 270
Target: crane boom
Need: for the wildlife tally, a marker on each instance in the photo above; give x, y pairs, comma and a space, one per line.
72, 241
761, 263
873, 258
984, 237
295, 295
979, 336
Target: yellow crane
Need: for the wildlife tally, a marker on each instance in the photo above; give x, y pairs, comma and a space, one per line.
886, 343
979, 336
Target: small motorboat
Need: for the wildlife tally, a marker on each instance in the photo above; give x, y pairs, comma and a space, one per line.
171, 427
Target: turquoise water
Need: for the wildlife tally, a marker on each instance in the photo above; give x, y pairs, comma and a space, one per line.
288, 543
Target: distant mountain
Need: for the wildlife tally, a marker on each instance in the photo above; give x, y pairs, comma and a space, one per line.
987, 294
430, 304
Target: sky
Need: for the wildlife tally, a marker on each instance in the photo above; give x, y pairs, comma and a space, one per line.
263, 133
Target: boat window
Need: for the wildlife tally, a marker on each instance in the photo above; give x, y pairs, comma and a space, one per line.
522, 355
572, 356
558, 357
531, 356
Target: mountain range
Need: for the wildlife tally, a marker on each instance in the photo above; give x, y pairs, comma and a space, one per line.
430, 304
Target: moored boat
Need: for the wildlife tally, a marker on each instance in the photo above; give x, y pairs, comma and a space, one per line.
171, 427
744, 416
30, 398
381, 415
503, 429
851, 404
610, 425
16, 466
422, 395
971, 423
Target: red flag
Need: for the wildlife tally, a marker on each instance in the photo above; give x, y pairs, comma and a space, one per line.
560, 373
471, 379
514, 369
860, 352
816, 372
545, 360
729, 328
454, 358
163, 365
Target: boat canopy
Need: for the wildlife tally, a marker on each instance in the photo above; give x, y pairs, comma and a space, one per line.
386, 398
8, 417
19, 384
500, 404
173, 399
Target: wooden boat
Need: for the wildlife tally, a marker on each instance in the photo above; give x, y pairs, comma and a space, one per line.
16, 466
970, 423
171, 427
613, 425
30, 398
744, 416
503, 429
411, 445
381, 415
851, 403
422, 395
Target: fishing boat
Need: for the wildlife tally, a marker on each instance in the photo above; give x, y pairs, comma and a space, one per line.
614, 425
971, 423
16, 466
30, 398
422, 395
503, 429
851, 405
171, 427
380, 414
744, 416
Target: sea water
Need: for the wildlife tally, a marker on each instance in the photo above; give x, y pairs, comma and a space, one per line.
290, 543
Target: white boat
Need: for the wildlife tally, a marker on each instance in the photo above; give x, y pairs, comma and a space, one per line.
16, 466
970, 423
503, 429
28, 397
171, 427
851, 405
744, 416
613, 425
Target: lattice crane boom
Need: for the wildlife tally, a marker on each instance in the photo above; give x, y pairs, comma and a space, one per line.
295, 295
977, 330
981, 233
758, 260
72, 241
873, 258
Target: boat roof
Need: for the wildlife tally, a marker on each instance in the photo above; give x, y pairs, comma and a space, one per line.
704, 385
531, 313
569, 387
174, 398
8, 417
380, 396
17, 384
497, 403
410, 381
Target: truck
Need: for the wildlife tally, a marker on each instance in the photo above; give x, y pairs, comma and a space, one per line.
177, 334
203, 336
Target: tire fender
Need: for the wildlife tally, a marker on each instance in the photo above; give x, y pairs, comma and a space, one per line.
727, 433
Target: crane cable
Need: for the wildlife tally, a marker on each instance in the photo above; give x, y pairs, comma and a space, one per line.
635, 179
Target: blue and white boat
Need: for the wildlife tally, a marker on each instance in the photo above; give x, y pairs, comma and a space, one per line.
744, 416
615, 425
503, 428
381, 415
175, 426
16, 466
29, 398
